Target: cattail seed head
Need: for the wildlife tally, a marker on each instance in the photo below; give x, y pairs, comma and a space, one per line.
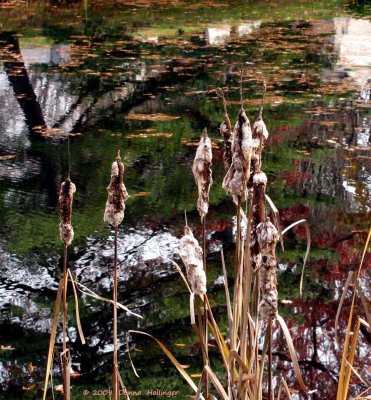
191, 255
65, 206
235, 181
202, 173
117, 194
268, 237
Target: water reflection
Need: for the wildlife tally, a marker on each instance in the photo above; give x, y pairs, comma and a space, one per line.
317, 158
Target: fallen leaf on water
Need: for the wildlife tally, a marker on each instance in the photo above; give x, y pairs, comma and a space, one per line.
184, 366
139, 194
59, 388
147, 135
7, 156
196, 375
31, 367
180, 345
28, 388
6, 348
151, 117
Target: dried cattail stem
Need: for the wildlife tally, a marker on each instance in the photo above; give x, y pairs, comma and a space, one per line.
238, 174
202, 173
113, 215
65, 206
226, 131
191, 255
117, 194
268, 238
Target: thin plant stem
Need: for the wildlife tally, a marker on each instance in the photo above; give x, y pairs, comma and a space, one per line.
270, 385
205, 308
64, 327
115, 360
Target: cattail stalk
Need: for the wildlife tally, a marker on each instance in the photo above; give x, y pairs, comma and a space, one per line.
113, 215
66, 233
203, 177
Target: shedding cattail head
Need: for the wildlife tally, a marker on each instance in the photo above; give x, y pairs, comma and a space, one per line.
202, 173
191, 255
117, 194
268, 237
235, 181
226, 131
65, 206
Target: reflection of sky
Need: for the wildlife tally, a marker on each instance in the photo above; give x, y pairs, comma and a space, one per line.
353, 42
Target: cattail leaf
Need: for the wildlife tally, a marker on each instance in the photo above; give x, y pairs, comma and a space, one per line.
123, 388
202, 173
364, 252
52, 336
218, 386
78, 322
90, 293
131, 361
307, 232
283, 386
364, 304
291, 347
226, 288
342, 298
192, 308
175, 362
342, 390
117, 194
181, 274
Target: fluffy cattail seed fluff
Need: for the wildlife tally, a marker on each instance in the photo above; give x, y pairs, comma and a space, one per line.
191, 255
235, 181
117, 194
65, 206
268, 237
202, 173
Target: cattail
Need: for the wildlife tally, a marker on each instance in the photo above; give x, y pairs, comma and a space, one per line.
259, 136
191, 255
238, 174
65, 205
117, 194
202, 173
226, 132
268, 237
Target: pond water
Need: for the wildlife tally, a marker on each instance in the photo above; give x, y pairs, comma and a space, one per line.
141, 77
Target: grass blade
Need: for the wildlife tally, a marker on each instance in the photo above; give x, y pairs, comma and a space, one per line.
227, 296
182, 371
181, 274
90, 293
78, 322
307, 231
291, 347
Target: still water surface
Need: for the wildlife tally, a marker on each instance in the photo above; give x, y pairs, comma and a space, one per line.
141, 77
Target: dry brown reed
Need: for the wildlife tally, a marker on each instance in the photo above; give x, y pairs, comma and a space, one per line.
114, 215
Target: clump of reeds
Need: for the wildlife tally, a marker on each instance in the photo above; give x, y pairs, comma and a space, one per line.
114, 215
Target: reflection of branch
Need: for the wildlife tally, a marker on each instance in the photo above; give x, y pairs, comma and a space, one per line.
19, 80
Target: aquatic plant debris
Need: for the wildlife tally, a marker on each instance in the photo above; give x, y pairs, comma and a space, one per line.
65, 204
202, 173
117, 194
191, 255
